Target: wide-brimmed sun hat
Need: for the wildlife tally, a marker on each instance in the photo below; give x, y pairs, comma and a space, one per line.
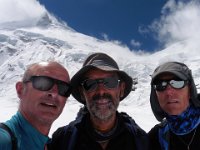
103, 62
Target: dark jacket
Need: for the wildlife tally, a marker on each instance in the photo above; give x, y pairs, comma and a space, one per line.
175, 142
78, 135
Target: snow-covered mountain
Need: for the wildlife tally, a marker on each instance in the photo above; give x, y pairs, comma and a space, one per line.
45, 38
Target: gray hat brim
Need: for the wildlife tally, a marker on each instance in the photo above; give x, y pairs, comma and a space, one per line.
174, 72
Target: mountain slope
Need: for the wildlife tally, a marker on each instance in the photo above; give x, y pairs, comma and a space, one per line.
48, 39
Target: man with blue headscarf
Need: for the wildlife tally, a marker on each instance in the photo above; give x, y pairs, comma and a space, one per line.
174, 102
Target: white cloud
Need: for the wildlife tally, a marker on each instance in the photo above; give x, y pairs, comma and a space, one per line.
105, 36
179, 21
17, 10
135, 43
117, 42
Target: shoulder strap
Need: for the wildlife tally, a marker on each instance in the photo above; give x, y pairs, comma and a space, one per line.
13, 138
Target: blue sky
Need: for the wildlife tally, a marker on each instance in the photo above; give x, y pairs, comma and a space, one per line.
121, 20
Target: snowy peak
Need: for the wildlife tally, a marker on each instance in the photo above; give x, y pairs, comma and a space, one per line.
42, 37
44, 21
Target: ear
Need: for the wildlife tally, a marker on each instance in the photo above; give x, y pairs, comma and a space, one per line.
19, 88
122, 88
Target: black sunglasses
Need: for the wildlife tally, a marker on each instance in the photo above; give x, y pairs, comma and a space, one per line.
45, 83
91, 84
161, 85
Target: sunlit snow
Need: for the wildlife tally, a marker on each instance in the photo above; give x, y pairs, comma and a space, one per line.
47, 39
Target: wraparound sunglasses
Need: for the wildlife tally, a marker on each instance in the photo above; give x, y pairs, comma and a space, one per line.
161, 85
91, 84
45, 83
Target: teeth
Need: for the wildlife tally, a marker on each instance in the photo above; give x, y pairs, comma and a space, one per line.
49, 104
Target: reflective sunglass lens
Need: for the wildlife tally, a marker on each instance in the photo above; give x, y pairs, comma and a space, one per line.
64, 89
177, 84
111, 82
159, 87
42, 83
89, 84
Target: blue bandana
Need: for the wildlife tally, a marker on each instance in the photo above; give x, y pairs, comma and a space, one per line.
179, 125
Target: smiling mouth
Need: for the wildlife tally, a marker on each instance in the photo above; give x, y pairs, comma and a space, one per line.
103, 102
172, 102
48, 105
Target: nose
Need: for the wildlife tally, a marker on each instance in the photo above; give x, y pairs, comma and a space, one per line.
53, 92
100, 88
169, 89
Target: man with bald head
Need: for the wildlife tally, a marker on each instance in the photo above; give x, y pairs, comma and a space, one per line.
42, 92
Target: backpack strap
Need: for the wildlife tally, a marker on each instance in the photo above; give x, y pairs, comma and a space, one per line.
13, 138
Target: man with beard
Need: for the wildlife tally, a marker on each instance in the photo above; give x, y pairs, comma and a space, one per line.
100, 86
